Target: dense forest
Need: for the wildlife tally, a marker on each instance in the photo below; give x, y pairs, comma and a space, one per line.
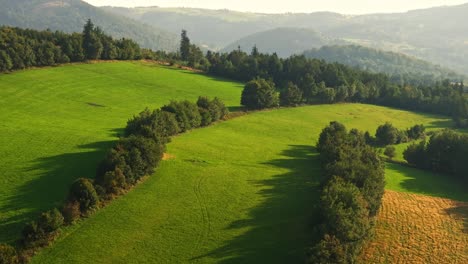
401, 68
69, 16
24, 48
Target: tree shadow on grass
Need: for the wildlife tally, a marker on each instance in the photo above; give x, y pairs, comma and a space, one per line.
429, 183
460, 211
281, 228
54, 176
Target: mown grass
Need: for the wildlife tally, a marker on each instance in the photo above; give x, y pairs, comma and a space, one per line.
56, 124
241, 191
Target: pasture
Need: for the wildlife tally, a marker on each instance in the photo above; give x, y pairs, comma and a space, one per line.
57, 123
239, 191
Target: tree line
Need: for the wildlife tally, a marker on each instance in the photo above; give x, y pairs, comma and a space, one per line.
446, 152
312, 81
351, 194
24, 48
136, 154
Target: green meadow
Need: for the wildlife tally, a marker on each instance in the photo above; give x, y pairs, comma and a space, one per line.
57, 123
240, 191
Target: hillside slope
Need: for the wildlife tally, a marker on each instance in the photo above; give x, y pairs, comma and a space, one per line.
437, 34
284, 41
377, 61
57, 124
239, 191
71, 15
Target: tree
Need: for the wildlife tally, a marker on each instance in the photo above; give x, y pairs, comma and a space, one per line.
390, 152
184, 46
259, 94
83, 192
8, 254
92, 44
386, 134
291, 96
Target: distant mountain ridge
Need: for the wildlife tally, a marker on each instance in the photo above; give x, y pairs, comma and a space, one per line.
377, 61
284, 41
437, 34
70, 16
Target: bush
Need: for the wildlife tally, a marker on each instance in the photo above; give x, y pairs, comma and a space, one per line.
390, 152
82, 191
158, 125
71, 212
50, 221
33, 235
291, 96
328, 250
8, 254
386, 134
416, 132
259, 94
114, 182
186, 114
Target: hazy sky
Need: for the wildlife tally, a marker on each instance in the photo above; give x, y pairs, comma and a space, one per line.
282, 6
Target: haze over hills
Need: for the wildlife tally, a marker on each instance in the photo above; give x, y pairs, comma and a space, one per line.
437, 34
373, 60
283, 41
70, 16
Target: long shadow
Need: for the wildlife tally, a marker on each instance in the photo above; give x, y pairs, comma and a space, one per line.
49, 188
460, 211
429, 183
282, 227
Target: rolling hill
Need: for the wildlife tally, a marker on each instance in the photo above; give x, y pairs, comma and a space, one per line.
436, 34
71, 15
57, 124
378, 61
284, 41
235, 192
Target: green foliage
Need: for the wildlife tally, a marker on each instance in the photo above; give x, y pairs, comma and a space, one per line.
291, 96
51, 220
351, 196
82, 191
186, 114
259, 94
184, 46
416, 132
71, 212
387, 134
328, 250
390, 152
158, 125
8, 254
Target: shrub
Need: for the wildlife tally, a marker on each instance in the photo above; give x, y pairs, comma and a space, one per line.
328, 250
158, 125
416, 132
390, 152
291, 96
386, 134
50, 221
259, 94
8, 254
82, 191
114, 182
71, 212
186, 114
33, 235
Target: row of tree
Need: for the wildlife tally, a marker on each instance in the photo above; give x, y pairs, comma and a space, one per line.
446, 152
24, 48
135, 155
351, 195
311, 81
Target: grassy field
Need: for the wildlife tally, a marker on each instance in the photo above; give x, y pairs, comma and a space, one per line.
242, 191
57, 122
